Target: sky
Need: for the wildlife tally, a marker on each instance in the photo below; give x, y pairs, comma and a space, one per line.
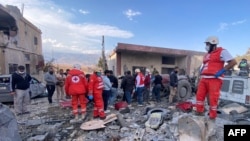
77, 26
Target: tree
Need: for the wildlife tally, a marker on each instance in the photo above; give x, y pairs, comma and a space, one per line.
48, 64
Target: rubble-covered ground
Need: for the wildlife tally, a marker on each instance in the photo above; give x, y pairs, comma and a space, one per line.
52, 123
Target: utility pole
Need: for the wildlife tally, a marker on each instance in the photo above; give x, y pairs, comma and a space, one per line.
104, 61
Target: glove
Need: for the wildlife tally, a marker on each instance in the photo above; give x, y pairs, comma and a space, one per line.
90, 97
220, 72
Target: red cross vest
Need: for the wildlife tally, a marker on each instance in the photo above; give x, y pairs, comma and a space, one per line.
212, 62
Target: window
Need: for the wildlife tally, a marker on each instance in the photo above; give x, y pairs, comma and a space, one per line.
27, 57
35, 41
168, 60
166, 70
12, 68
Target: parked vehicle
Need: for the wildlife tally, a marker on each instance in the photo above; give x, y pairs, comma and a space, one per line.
37, 88
236, 89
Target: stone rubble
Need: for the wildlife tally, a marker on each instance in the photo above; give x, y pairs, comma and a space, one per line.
51, 123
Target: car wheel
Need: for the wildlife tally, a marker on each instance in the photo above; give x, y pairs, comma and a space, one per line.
184, 90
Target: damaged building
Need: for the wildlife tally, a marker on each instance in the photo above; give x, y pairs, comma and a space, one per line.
130, 56
20, 42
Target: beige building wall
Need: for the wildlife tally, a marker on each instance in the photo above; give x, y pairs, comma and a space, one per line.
24, 47
112, 63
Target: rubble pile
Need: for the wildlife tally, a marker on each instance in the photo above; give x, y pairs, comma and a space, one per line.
51, 122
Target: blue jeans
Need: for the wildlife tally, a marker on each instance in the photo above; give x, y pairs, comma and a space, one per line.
128, 96
139, 92
157, 91
113, 96
105, 96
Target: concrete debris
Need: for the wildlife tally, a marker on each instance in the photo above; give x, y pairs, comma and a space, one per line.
53, 122
234, 107
8, 125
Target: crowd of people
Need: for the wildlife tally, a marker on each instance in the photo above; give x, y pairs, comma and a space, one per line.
102, 88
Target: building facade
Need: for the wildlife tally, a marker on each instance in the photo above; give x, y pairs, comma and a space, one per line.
129, 57
20, 43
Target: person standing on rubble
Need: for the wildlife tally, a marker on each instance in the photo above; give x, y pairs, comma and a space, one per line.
50, 79
95, 89
113, 95
147, 85
20, 83
173, 84
60, 93
139, 86
76, 86
210, 83
157, 86
106, 90
128, 85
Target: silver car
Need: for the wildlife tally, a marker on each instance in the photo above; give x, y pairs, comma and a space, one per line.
37, 88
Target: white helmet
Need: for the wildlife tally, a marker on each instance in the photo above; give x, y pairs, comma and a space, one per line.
77, 66
212, 40
147, 70
137, 70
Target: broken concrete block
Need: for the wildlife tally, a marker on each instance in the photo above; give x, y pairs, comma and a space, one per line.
191, 128
234, 106
8, 122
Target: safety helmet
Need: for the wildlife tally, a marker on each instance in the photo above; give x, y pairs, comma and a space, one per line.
77, 66
147, 70
212, 40
137, 70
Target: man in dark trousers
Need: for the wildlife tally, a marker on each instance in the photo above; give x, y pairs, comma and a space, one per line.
157, 86
114, 82
128, 84
173, 84
20, 90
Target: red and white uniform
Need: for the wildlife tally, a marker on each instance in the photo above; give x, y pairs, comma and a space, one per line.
139, 81
76, 86
209, 85
95, 87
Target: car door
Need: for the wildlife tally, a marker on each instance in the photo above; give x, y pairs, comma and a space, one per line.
34, 88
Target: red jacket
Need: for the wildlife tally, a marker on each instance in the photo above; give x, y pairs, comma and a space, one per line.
75, 83
95, 84
141, 80
212, 62
147, 81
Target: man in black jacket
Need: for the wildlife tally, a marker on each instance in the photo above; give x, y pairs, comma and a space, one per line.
173, 84
128, 84
20, 84
114, 81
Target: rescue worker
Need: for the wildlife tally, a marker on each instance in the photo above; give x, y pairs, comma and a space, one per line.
95, 89
211, 79
173, 84
76, 86
139, 86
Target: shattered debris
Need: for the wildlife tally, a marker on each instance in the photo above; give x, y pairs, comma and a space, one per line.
152, 122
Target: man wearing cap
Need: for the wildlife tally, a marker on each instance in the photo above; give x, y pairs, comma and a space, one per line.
20, 84
76, 86
210, 83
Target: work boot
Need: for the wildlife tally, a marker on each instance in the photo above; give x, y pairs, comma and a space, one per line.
210, 128
76, 119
